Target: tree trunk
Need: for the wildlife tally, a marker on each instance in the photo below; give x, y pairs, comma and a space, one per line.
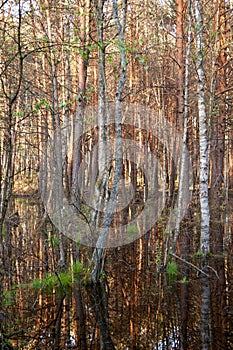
205, 322
203, 134
57, 137
10, 94
99, 253
219, 113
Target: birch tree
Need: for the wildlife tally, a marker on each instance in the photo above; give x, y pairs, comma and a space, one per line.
205, 321
203, 133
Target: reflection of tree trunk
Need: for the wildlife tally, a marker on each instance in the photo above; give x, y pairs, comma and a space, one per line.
184, 291
99, 303
218, 306
205, 319
81, 318
80, 312
57, 328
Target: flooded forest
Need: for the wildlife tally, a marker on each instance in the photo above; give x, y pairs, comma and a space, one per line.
116, 174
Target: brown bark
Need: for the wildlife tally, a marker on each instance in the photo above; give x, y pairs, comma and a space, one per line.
180, 62
219, 114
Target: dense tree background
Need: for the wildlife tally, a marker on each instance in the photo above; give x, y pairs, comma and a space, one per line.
172, 287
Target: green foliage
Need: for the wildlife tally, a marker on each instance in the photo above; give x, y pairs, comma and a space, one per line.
36, 284
143, 60
50, 282
18, 114
184, 280
77, 268
54, 241
198, 217
83, 52
102, 276
223, 207
172, 270
224, 253
132, 230
198, 254
65, 279
88, 93
6, 343
87, 275
60, 280
42, 103
3, 232
9, 298
65, 104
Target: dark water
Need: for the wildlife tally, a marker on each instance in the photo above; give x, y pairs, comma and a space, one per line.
139, 304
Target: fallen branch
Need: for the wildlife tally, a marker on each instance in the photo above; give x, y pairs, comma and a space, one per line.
189, 263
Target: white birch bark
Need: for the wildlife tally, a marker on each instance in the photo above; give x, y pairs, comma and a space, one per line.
203, 135
205, 320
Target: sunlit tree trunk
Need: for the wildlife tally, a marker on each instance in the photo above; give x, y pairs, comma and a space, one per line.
180, 62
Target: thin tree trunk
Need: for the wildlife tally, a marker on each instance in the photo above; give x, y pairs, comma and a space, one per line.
100, 189
184, 167
184, 170
180, 62
99, 253
7, 168
79, 113
203, 134
57, 137
205, 321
